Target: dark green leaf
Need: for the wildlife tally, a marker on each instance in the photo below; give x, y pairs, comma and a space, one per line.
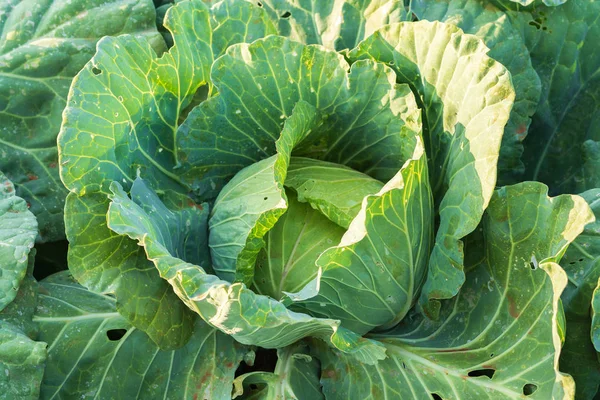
95, 353
43, 45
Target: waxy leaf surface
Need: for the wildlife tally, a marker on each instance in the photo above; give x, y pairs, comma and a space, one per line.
499, 337
462, 143
95, 353
43, 45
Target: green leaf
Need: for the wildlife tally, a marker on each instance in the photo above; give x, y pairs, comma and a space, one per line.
591, 164
369, 121
18, 229
333, 189
22, 364
232, 308
336, 25
44, 45
462, 143
120, 122
596, 317
566, 59
95, 352
296, 377
235, 21
108, 263
288, 262
114, 130
372, 277
506, 46
519, 5
499, 337
579, 359
133, 132
20, 312
21, 358
582, 263
252, 202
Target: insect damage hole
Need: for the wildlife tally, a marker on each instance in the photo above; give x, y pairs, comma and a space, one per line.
436, 396
533, 263
96, 71
529, 389
286, 15
115, 334
489, 372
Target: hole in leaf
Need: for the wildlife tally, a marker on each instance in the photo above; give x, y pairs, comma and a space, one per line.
581, 259
259, 4
403, 365
532, 266
96, 71
265, 198
529, 389
265, 360
286, 15
115, 334
491, 355
51, 258
436, 396
483, 372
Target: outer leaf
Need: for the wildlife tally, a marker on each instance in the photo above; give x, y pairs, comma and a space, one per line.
142, 97
333, 189
235, 21
503, 322
462, 142
95, 352
252, 202
43, 44
591, 166
18, 229
20, 312
21, 358
22, 362
371, 278
369, 120
578, 357
232, 308
132, 133
582, 263
506, 46
288, 262
566, 59
596, 317
338, 24
109, 263
296, 377
526, 4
